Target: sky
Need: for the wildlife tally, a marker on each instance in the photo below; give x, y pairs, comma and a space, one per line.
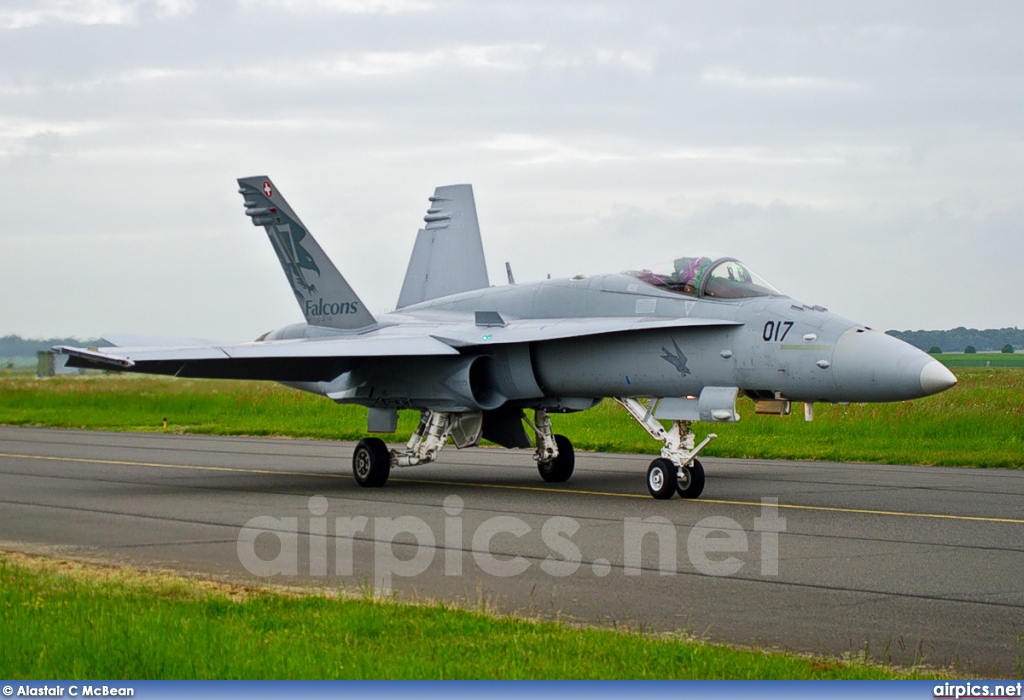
864, 156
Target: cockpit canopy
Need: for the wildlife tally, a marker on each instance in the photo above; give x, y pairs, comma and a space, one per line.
706, 276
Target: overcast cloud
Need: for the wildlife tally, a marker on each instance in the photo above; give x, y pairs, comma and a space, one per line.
866, 156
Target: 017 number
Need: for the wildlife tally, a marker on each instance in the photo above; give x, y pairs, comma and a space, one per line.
776, 331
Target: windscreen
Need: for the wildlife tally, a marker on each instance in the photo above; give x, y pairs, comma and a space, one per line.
731, 279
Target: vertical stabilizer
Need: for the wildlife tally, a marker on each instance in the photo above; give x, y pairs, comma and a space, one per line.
448, 256
324, 296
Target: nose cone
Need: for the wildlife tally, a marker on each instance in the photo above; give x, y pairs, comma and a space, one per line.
935, 378
870, 366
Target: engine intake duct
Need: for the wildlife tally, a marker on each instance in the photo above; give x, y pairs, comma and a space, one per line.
483, 383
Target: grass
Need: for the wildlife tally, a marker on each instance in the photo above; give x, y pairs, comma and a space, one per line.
986, 359
69, 620
979, 423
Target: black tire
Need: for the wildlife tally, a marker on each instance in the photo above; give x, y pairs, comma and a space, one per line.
559, 470
371, 463
693, 484
661, 479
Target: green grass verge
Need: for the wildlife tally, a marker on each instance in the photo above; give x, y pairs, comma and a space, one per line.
67, 620
979, 423
987, 359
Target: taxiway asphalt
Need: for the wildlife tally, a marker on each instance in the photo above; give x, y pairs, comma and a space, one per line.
902, 563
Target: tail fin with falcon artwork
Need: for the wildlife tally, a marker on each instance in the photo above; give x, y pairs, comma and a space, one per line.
324, 296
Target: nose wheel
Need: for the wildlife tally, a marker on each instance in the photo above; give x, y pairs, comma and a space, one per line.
664, 479
661, 479
690, 482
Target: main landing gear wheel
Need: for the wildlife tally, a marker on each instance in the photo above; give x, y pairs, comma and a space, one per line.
371, 463
661, 479
559, 469
691, 483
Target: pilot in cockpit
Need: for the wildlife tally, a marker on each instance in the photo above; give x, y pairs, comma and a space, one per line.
688, 273
716, 278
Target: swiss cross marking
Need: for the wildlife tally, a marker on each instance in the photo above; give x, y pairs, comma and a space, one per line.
267, 189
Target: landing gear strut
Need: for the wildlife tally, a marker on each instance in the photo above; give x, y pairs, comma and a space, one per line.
555, 457
677, 470
424, 445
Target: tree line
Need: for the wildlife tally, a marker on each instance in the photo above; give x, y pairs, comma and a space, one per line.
959, 339
16, 346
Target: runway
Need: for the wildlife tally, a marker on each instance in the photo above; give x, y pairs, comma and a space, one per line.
900, 563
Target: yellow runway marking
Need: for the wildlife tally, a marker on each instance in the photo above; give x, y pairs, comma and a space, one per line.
512, 487
868, 511
162, 465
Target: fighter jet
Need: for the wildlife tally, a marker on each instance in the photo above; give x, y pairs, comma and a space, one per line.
677, 341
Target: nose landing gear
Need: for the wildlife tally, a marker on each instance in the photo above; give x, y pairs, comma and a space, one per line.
665, 479
677, 470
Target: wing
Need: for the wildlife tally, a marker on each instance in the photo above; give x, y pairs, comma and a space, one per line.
491, 329
323, 359
306, 360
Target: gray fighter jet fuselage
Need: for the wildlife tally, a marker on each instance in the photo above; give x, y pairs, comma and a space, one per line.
676, 342
768, 347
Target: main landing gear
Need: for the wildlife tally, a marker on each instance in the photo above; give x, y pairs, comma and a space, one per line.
677, 470
555, 456
372, 461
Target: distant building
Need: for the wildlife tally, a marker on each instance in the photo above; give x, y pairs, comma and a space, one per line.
53, 363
